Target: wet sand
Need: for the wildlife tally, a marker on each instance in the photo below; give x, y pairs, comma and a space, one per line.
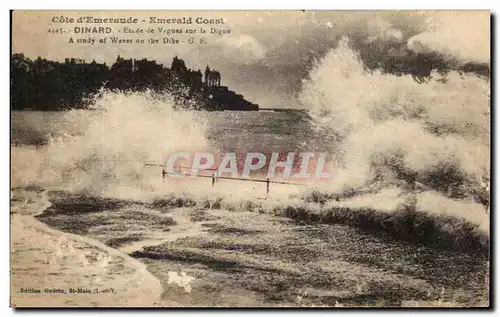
47, 261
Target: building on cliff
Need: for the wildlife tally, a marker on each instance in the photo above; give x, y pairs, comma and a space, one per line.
42, 84
221, 97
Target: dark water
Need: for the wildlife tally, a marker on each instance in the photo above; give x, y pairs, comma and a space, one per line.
234, 131
228, 131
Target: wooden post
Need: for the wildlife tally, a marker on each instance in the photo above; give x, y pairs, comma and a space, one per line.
267, 186
213, 180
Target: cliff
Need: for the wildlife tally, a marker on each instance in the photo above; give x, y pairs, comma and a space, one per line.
48, 85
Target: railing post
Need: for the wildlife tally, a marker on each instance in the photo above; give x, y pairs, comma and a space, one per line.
213, 179
267, 186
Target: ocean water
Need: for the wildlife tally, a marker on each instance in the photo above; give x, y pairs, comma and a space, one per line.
411, 161
385, 133
227, 131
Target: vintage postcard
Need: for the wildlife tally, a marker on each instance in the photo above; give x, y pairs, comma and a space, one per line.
250, 159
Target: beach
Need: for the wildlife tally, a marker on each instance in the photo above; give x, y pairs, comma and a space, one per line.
218, 256
55, 264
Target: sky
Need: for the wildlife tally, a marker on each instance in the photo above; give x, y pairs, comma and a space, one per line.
268, 53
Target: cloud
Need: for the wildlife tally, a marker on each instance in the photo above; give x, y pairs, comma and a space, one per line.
379, 28
243, 48
464, 36
268, 53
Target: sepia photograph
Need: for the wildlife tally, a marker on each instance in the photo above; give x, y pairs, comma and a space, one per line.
293, 158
